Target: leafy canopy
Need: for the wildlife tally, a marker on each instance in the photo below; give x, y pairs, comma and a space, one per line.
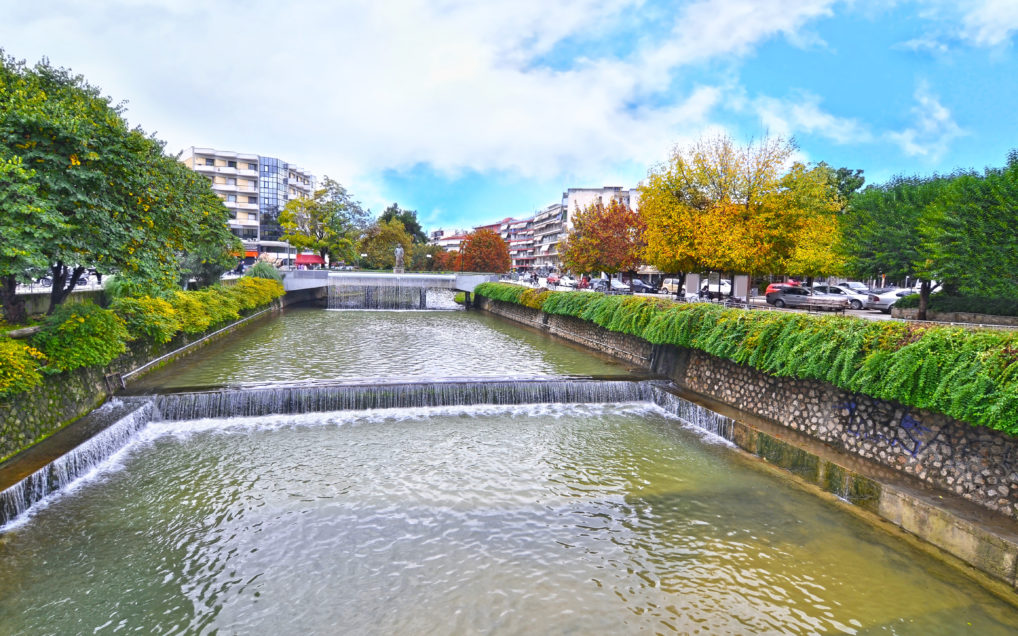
604, 238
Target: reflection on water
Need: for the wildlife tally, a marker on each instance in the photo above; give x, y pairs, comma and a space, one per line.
540, 519
307, 344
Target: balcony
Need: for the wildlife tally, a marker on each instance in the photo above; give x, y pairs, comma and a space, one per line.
247, 206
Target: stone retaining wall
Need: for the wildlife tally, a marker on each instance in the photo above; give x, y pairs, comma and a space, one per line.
976, 463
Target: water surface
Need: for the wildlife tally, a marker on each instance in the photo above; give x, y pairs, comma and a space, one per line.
590, 519
315, 344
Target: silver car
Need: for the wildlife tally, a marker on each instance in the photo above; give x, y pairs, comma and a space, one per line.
856, 300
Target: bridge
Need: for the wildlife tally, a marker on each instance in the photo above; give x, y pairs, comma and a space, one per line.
310, 279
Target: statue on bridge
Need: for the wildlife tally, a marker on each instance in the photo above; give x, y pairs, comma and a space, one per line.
398, 268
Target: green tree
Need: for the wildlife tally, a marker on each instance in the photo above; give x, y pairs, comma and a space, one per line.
123, 205
380, 241
26, 224
328, 223
970, 232
604, 238
409, 220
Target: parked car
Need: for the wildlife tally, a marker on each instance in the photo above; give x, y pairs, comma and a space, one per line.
671, 286
605, 285
797, 296
884, 301
856, 300
855, 286
776, 286
716, 290
641, 287
552, 279
566, 281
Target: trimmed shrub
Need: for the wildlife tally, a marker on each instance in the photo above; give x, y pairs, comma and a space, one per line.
502, 291
19, 367
261, 269
534, 298
146, 317
219, 305
190, 312
81, 335
964, 304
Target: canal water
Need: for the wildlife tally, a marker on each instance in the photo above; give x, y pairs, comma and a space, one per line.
532, 518
314, 344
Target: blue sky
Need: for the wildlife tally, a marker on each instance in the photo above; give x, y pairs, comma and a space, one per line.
470, 112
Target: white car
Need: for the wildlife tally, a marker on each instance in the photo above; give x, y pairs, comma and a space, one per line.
886, 300
856, 300
716, 290
567, 281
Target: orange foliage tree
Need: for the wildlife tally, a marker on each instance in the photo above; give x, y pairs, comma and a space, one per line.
484, 251
606, 239
716, 206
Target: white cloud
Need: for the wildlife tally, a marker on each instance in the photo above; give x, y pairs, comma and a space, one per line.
932, 131
355, 88
990, 22
803, 114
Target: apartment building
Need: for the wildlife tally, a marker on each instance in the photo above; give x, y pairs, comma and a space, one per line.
255, 189
519, 236
447, 239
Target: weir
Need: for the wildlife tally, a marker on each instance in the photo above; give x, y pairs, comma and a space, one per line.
122, 420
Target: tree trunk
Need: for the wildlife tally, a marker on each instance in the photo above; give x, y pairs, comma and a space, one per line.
14, 306
924, 299
62, 275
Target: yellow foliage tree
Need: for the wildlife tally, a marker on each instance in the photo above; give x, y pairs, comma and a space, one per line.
717, 206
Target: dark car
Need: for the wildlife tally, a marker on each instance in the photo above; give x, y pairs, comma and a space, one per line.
641, 287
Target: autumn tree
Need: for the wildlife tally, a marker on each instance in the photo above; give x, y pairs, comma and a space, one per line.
604, 238
484, 251
379, 243
426, 258
716, 206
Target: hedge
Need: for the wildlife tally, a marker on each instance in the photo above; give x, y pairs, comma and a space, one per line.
82, 334
964, 304
969, 375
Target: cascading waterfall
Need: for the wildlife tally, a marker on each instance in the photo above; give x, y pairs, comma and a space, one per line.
377, 297
120, 420
342, 397
127, 417
695, 415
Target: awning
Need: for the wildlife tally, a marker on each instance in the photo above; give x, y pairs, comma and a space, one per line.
310, 259
251, 253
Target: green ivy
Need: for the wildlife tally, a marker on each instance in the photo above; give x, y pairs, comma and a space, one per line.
971, 375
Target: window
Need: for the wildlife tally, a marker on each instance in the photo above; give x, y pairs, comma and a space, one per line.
210, 162
231, 164
231, 198
231, 181
252, 166
252, 199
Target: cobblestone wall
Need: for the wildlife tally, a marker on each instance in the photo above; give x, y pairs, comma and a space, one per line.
976, 463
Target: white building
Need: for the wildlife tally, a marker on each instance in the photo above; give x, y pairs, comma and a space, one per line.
255, 189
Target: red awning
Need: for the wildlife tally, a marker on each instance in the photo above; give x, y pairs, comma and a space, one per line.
251, 254
310, 259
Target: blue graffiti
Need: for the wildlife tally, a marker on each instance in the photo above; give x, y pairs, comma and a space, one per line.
908, 435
